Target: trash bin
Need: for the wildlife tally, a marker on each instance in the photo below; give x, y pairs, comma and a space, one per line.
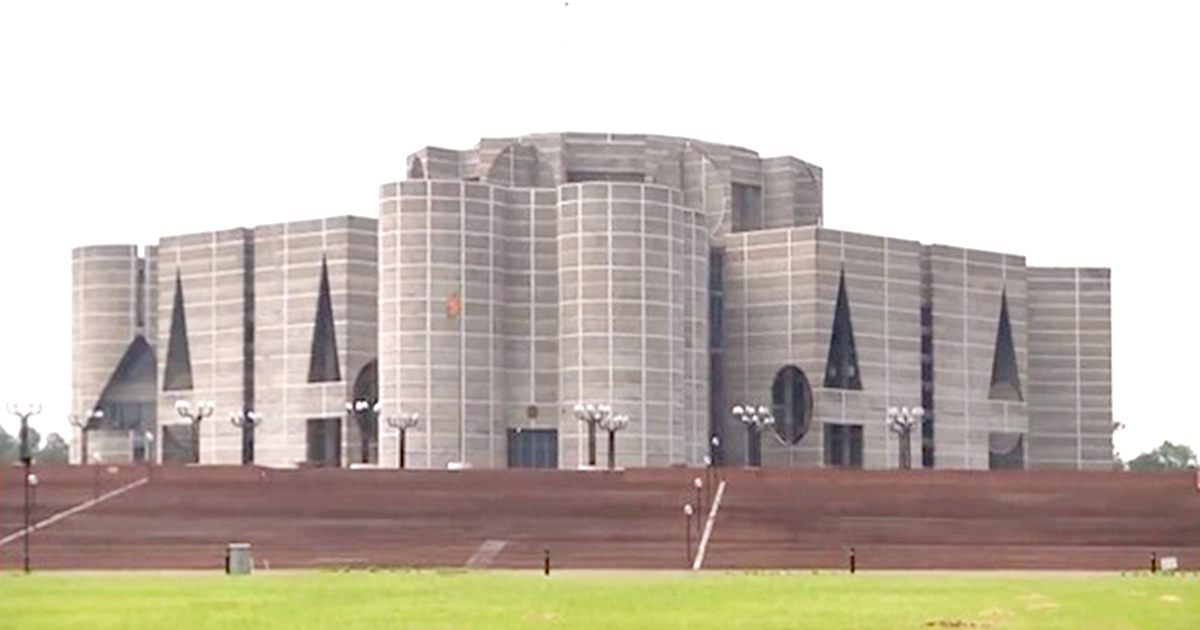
238, 559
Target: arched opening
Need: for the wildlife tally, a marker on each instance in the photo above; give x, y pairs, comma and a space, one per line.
516, 165
129, 398
791, 404
366, 387
416, 168
1006, 450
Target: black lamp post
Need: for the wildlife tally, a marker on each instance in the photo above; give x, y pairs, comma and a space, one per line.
150, 453
24, 412
755, 419
84, 424
202, 410
96, 459
402, 424
901, 420
31, 482
687, 530
248, 422
698, 483
708, 470
715, 456
592, 415
364, 413
612, 424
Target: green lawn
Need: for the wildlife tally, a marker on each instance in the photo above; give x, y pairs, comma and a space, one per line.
498, 600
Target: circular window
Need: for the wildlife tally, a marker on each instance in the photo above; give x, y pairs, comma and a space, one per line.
791, 403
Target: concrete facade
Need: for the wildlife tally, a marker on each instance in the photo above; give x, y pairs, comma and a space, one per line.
113, 311
1070, 359
205, 273
966, 289
781, 291
289, 259
242, 304
670, 278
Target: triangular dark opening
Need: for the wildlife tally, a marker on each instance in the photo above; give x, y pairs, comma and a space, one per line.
178, 373
323, 360
1006, 381
128, 399
841, 367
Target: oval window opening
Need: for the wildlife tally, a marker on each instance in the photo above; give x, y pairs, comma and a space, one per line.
791, 403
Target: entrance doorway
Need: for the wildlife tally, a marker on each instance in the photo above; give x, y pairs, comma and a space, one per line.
325, 442
843, 445
177, 444
532, 448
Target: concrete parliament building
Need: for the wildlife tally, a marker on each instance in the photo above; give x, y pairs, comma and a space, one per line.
669, 278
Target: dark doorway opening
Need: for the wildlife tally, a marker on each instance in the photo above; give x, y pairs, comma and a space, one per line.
324, 442
844, 445
177, 444
1006, 451
140, 446
532, 448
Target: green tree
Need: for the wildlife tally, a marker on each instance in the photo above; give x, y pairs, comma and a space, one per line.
55, 451
8, 448
35, 441
1168, 456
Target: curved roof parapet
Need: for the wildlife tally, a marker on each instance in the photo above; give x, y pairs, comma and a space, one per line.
718, 178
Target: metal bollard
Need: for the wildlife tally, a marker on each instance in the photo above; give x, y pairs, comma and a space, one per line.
853, 561
546, 561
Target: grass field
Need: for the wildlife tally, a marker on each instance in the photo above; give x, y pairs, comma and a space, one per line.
498, 600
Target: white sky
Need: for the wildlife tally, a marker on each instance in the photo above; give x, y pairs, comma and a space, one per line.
1004, 128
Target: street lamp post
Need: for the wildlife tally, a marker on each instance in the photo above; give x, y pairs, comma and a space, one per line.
708, 468
202, 410
402, 424
612, 424
698, 483
96, 459
755, 419
901, 420
715, 456
364, 414
592, 415
248, 422
24, 412
85, 424
31, 482
687, 530
150, 453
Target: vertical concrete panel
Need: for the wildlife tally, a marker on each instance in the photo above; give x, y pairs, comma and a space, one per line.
1070, 358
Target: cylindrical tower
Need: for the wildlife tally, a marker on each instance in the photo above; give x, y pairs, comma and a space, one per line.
633, 286
442, 274
112, 307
